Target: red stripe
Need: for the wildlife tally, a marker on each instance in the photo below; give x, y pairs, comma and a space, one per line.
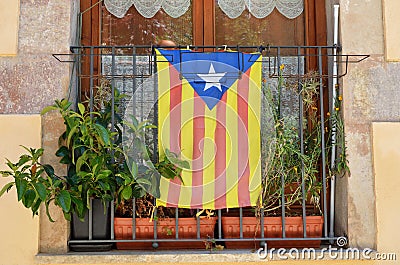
175, 124
220, 156
198, 147
243, 143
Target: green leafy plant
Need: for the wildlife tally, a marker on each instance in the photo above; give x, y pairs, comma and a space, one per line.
291, 162
36, 184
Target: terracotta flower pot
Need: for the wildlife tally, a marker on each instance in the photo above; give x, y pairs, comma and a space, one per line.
272, 229
165, 230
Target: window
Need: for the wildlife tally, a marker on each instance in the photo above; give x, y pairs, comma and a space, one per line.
120, 50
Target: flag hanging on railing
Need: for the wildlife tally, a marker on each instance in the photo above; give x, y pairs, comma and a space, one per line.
209, 112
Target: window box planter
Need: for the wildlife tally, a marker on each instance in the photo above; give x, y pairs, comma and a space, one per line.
165, 230
272, 229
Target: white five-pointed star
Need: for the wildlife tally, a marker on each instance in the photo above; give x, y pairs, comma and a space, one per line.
212, 79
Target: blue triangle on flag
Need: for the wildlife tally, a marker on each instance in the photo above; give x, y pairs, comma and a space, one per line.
210, 74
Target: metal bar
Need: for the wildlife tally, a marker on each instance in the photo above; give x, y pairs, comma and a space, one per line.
91, 99
202, 239
333, 143
155, 223
112, 219
134, 72
155, 111
198, 225
134, 218
112, 100
262, 243
77, 47
322, 113
176, 223
241, 221
282, 176
219, 224
91, 220
301, 135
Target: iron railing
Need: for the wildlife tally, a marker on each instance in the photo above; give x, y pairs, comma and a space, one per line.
127, 68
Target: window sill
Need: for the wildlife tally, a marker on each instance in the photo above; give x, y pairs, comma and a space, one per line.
183, 257
141, 257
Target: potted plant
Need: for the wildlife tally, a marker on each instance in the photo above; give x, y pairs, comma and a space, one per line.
284, 165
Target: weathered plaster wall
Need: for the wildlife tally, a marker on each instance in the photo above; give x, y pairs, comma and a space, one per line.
370, 94
9, 17
386, 150
18, 229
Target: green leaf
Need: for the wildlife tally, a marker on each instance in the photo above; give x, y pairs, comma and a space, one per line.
67, 216
81, 108
143, 181
6, 187
23, 159
71, 133
49, 170
47, 210
21, 185
64, 200
47, 109
81, 160
62, 151
78, 205
134, 169
41, 190
103, 133
35, 206
29, 198
127, 192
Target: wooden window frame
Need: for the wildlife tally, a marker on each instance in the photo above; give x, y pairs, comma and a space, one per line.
204, 22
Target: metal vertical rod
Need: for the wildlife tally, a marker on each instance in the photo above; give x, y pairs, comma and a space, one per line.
219, 224
176, 223
282, 176
262, 223
112, 99
112, 219
133, 218
301, 135
198, 225
142, 118
91, 100
322, 112
155, 223
155, 111
91, 220
112, 127
78, 78
134, 72
241, 221
333, 152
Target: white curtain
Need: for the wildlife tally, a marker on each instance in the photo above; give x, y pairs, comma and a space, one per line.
232, 8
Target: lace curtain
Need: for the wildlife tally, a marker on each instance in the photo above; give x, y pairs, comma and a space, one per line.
232, 8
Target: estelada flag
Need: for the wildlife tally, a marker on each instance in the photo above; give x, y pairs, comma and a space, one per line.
209, 113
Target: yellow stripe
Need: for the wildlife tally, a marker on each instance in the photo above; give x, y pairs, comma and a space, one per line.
210, 124
232, 147
187, 112
163, 119
254, 118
